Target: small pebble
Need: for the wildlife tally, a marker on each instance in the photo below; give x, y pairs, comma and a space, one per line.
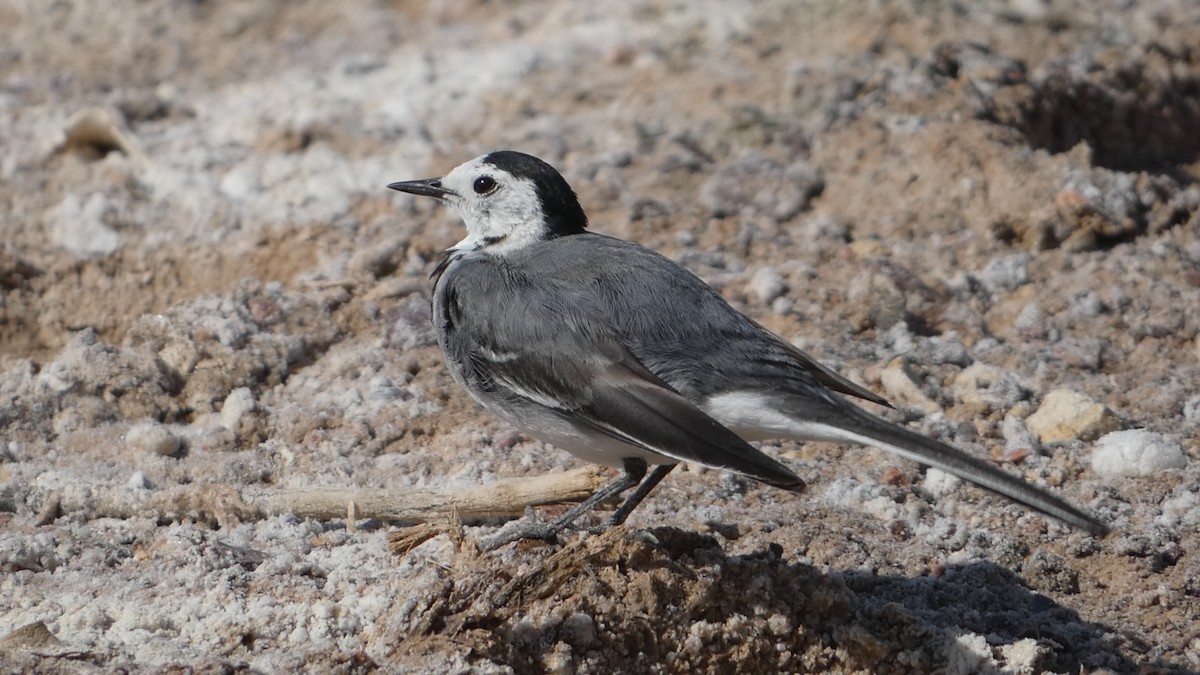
939, 483
767, 285
1017, 435
152, 437
1031, 321
579, 630
1066, 415
1006, 274
138, 481
239, 402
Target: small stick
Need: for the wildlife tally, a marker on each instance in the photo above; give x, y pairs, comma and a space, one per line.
227, 505
508, 497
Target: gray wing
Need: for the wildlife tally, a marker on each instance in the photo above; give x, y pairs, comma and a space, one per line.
678, 326
540, 345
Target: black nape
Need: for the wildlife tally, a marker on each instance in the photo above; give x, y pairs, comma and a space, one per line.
564, 215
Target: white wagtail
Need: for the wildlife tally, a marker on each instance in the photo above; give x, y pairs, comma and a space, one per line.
619, 356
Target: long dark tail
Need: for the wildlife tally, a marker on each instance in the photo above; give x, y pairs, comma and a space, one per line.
870, 430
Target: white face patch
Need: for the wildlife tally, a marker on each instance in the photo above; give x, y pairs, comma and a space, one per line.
505, 216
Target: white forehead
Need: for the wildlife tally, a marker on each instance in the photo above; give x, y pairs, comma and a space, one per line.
462, 177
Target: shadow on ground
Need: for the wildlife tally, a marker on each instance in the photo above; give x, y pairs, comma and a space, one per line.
674, 601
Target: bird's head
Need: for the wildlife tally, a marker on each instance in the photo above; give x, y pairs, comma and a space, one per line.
508, 200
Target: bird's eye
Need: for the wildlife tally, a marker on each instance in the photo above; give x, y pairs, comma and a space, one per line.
484, 184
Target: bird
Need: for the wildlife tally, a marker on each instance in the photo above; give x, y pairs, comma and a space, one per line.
620, 356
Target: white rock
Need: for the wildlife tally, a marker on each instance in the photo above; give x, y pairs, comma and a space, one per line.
767, 285
1006, 274
1182, 509
1024, 656
152, 437
969, 653
1135, 452
80, 228
239, 402
779, 624
899, 338
938, 483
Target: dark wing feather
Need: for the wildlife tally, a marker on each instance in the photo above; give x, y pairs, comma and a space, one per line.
630, 400
830, 378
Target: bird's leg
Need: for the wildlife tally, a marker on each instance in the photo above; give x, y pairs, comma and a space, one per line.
635, 470
638, 495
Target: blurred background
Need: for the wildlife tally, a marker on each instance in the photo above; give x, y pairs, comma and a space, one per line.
988, 211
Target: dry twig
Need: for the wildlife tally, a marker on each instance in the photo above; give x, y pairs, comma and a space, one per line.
226, 504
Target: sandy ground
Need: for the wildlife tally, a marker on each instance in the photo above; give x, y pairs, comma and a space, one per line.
988, 212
